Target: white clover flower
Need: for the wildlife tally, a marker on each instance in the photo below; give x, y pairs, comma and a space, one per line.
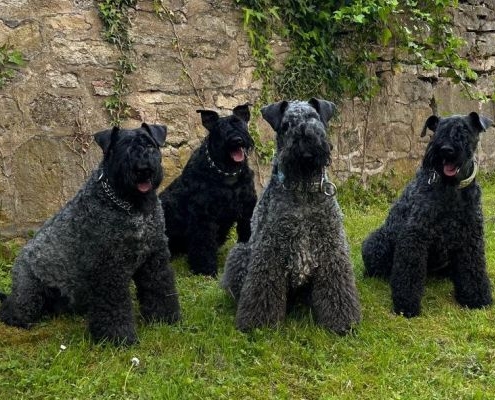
63, 347
135, 361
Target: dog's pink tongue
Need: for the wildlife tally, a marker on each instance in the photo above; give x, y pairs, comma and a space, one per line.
449, 169
237, 155
144, 187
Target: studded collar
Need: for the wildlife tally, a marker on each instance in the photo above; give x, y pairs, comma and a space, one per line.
213, 166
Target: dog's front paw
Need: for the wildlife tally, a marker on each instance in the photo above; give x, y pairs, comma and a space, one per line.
407, 311
117, 335
159, 318
247, 324
208, 270
475, 303
165, 309
120, 340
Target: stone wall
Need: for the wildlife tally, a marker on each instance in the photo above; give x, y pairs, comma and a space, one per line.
56, 102
201, 60
385, 134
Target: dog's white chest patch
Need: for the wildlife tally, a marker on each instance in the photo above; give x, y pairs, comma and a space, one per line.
300, 268
138, 223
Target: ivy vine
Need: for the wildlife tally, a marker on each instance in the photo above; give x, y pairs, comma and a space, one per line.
115, 17
333, 41
10, 60
264, 151
164, 13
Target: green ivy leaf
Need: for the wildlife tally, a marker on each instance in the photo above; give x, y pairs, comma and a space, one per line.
386, 36
359, 18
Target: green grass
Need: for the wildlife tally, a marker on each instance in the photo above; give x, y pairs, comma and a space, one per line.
446, 353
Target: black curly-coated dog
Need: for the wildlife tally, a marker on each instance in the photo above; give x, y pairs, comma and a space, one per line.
436, 226
84, 258
214, 191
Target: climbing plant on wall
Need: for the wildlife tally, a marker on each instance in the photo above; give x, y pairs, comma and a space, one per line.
10, 60
115, 17
332, 43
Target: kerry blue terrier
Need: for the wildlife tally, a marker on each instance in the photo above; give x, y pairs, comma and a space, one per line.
214, 191
298, 248
436, 226
83, 258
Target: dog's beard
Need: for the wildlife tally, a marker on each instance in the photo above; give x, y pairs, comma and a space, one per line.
134, 183
231, 152
145, 181
452, 169
304, 167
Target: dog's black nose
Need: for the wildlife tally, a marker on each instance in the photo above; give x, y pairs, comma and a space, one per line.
236, 141
447, 151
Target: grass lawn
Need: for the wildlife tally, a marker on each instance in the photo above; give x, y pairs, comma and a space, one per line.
446, 353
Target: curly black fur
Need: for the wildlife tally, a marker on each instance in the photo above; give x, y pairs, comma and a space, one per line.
436, 226
214, 191
84, 258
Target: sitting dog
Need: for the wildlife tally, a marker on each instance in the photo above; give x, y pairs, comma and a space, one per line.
83, 259
214, 191
436, 226
298, 249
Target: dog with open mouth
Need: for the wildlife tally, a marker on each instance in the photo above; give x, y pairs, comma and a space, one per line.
214, 192
112, 232
436, 226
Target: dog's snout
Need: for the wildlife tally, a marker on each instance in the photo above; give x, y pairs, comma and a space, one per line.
237, 141
447, 150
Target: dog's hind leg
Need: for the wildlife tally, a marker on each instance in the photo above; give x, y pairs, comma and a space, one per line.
156, 291
334, 298
236, 267
24, 306
377, 252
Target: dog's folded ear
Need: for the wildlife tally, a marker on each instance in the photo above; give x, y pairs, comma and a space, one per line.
157, 132
106, 137
208, 118
242, 112
480, 122
431, 124
273, 113
325, 108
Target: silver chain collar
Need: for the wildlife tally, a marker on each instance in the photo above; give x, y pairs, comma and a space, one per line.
324, 185
212, 165
125, 205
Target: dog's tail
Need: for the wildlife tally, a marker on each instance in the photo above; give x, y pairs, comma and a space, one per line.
3, 296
